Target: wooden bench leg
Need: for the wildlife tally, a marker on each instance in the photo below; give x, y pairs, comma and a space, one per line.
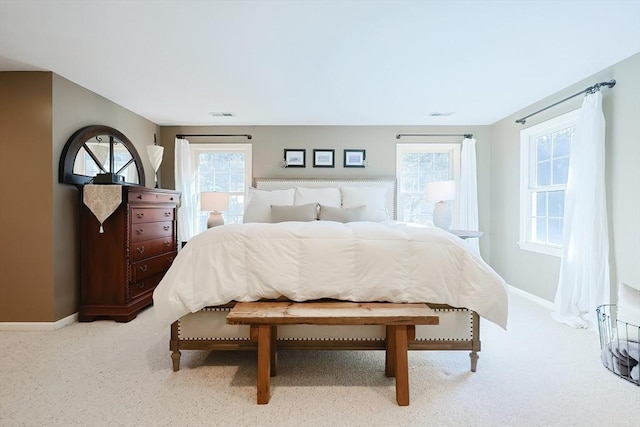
390, 354
402, 366
274, 350
264, 363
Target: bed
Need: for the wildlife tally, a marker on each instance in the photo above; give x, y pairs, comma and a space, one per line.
195, 300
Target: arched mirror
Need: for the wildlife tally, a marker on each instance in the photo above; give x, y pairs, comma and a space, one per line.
100, 155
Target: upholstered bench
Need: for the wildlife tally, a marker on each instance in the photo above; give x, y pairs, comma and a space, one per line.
399, 319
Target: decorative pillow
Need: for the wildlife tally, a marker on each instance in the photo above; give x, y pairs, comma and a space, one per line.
371, 197
328, 213
258, 208
628, 304
323, 196
304, 213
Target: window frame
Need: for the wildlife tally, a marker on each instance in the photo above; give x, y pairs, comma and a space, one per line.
452, 148
527, 176
197, 149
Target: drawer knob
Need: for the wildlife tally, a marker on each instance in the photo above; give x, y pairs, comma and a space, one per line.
166, 227
167, 214
167, 243
170, 259
140, 249
143, 268
140, 285
140, 214
139, 230
140, 196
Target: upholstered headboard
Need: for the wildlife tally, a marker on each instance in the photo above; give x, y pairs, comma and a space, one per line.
283, 183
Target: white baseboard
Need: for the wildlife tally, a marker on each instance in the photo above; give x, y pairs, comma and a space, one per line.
39, 326
540, 301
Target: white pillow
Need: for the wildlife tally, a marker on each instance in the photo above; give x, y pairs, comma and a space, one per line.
258, 208
323, 196
304, 213
372, 197
628, 304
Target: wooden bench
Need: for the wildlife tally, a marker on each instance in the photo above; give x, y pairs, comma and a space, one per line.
399, 319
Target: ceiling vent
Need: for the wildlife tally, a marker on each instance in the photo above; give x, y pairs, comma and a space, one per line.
220, 114
439, 114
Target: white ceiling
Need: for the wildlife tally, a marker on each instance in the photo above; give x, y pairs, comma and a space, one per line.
319, 62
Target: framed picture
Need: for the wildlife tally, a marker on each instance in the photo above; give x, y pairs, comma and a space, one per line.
323, 158
295, 158
354, 158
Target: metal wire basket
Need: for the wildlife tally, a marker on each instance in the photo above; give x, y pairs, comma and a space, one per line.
619, 344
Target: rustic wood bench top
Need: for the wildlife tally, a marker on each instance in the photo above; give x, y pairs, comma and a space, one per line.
265, 316
331, 313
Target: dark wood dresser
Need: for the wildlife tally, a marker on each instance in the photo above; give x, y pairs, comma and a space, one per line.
120, 268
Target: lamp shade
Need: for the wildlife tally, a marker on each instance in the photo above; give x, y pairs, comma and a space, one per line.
440, 191
213, 201
155, 156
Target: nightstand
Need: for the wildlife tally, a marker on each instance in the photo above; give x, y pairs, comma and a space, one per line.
466, 234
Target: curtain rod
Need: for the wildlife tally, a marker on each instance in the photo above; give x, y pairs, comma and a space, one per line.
591, 89
466, 135
182, 135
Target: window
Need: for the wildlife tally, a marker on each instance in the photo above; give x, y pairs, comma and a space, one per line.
224, 168
545, 150
417, 164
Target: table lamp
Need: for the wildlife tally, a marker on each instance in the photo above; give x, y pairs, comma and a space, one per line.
440, 192
215, 203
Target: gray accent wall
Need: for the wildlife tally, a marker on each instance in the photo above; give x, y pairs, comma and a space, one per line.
536, 273
269, 142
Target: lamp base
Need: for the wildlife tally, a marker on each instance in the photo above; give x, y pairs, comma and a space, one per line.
442, 216
215, 219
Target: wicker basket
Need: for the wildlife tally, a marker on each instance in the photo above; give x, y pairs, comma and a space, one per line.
619, 344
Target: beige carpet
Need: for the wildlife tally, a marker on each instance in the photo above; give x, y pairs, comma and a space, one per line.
539, 373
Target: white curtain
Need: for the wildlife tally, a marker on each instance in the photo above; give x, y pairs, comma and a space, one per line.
468, 200
185, 183
584, 269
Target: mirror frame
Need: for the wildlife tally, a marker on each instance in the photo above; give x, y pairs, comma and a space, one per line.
78, 141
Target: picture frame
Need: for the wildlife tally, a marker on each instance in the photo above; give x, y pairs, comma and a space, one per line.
324, 158
295, 157
355, 158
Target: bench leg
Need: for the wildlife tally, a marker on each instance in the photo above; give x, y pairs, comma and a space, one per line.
274, 350
402, 366
264, 363
390, 354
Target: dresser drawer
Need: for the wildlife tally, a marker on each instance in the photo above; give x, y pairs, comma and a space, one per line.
141, 215
151, 248
152, 266
151, 230
144, 285
152, 197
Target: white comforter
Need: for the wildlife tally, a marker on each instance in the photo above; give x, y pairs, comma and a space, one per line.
360, 261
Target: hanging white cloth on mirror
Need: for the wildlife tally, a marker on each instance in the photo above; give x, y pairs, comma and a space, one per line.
102, 200
468, 199
584, 270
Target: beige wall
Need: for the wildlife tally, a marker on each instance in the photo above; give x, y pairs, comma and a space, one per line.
75, 107
269, 142
26, 216
536, 273
39, 277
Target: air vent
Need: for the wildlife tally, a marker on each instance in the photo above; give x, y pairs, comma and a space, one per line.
220, 114
439, 114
